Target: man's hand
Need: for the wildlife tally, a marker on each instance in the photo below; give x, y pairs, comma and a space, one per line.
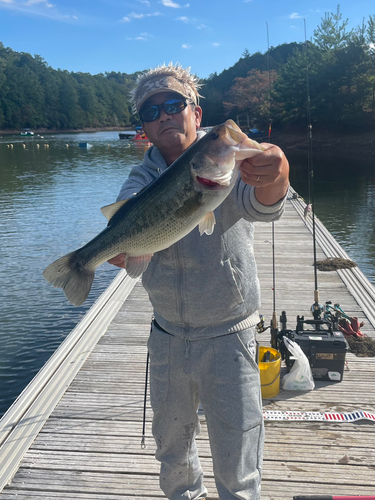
118, 261
268, 172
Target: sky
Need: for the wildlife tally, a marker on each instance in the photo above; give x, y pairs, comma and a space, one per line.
98, 36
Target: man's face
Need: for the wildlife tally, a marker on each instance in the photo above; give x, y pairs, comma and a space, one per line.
172, 134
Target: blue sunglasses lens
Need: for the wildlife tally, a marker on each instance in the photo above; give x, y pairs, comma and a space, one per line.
171, 107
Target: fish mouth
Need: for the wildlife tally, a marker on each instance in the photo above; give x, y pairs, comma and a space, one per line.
207, 182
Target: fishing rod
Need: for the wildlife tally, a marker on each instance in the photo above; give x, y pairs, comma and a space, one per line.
316, 337
316, 308
274, 318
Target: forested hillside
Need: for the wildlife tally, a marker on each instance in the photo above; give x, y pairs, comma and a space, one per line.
32, 94
216, 89
337, 65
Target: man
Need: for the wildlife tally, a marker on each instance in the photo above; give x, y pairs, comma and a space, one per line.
205, 295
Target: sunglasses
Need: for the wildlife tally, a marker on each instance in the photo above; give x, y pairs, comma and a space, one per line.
171, 107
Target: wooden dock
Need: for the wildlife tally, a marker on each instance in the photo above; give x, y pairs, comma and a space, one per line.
75, 432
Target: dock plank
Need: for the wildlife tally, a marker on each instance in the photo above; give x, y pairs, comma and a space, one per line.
89, 448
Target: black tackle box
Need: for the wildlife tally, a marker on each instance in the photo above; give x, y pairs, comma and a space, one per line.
324, 347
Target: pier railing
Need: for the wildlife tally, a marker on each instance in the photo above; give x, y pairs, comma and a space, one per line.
22, 422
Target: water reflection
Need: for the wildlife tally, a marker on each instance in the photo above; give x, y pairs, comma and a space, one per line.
344, 201
50, 201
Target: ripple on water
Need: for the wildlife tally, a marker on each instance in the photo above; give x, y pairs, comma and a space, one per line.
49, 205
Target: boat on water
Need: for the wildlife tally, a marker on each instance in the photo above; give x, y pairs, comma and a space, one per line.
26, 131
138, 135
127, 134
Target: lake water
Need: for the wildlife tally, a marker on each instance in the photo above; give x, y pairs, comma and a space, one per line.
50, 199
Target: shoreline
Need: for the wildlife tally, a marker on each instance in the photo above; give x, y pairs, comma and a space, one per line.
323, 140
327, 142
66, 131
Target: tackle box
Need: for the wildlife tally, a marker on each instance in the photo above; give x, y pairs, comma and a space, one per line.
324, 347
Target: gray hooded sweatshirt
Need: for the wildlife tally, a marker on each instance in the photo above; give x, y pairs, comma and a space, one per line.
206, 286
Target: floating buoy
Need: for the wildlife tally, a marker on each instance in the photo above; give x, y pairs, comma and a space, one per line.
37, 145
24, 146
67, 145
7, 145
11, 145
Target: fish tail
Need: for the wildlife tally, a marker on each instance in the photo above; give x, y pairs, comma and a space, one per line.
72, 276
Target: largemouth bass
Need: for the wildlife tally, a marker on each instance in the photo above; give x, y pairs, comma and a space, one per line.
184, 196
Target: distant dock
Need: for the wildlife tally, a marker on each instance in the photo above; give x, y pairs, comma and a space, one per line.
75, 432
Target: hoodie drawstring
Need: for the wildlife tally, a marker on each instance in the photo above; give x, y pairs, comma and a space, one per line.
187, 348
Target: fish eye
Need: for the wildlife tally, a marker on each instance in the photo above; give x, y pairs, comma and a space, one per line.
214, 136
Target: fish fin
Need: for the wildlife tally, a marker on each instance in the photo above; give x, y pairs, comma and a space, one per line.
207, 224
70, 275
135, 266
109, 210
190, 206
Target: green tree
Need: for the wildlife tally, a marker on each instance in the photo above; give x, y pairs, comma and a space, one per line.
370, 41
332, 34
68, 101
341, 80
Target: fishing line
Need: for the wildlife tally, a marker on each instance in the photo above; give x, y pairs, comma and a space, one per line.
274, 319
316, 307
143, 440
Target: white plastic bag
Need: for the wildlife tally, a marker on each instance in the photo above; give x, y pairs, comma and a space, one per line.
300, 376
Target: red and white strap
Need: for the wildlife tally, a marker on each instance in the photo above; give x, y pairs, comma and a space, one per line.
314, 415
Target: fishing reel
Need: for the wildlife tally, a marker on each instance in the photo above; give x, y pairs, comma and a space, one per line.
319, 326
260, 328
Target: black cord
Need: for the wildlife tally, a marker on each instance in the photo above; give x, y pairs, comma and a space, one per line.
143, 441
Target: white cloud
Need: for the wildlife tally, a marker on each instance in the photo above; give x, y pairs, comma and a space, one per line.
174, 5
216, 44
170, 3
201, 27
146, 2
186, 46
37, 2
145, 37
135, 15
183, 18
295, 15
34, 8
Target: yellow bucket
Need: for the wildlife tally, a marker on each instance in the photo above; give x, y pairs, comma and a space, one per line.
269, 372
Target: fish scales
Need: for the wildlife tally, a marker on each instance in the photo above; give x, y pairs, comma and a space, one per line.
183, 196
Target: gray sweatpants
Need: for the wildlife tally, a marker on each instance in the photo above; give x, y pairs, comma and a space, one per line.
222, 374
